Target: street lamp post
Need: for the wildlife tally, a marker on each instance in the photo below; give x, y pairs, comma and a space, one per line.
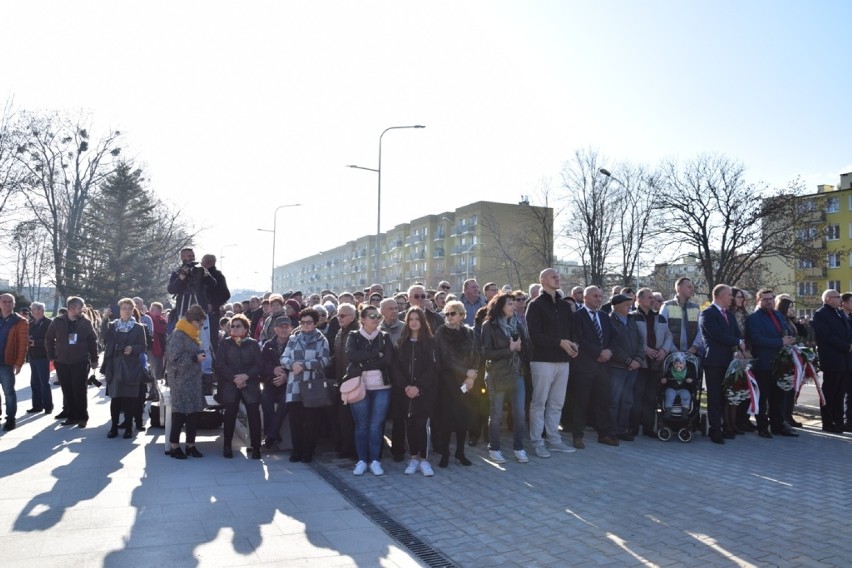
222, 255
379, 196
467, 266
274, 232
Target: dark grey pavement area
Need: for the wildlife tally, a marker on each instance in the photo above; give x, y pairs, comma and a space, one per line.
71, 497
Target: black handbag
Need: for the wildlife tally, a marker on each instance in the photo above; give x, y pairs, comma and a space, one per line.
317, 393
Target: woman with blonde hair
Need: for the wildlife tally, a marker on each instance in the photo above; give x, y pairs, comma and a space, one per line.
458, 360
124, 345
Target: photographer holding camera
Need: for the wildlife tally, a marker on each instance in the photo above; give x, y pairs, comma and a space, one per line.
193, 284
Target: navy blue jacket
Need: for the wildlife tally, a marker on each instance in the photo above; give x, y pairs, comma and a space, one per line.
586, 336
721, 338
833, 339
765, 339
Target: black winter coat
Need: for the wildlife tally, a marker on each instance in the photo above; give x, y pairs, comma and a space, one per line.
233, 359
415, 365
370, 355
457, 352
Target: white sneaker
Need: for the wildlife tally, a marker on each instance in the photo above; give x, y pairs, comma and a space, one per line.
412, 467
559, 446
426, 469
360, 468
376, 468
521, 456
496, 456
541, 451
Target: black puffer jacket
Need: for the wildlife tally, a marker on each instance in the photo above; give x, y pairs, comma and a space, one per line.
370, 355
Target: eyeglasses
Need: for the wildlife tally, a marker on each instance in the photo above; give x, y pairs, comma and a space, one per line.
373, 316
445, 287
307, 322
236, 326
419, 296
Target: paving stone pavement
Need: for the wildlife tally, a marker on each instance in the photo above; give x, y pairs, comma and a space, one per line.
752, 502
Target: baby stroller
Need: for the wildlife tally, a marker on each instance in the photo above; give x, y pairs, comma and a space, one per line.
685, 419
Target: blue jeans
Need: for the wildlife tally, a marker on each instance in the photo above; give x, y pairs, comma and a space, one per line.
40, 384
516, 399
622, 398
7, 379
369, 414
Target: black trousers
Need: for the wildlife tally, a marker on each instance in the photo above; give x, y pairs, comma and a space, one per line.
125, 405
592, 390
415, 428
72, 381
444, 442
398, 413
230, 423
713, 378
770, 410
304, 428
178, 421
644, 408
834, 388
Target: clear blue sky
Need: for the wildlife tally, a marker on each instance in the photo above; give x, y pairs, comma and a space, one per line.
235, 108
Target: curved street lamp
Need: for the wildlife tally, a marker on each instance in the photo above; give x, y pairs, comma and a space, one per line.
274, 232
467, 266
379, 197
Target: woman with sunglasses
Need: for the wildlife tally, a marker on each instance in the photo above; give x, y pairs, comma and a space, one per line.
306, 357
237, 367
415, 374
370, 350
458, 360
505, 347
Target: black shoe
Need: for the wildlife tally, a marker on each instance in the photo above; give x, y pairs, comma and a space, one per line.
717, 438
82, 423
48, 410
728, 435
269, 443
746, 426
193, 451
739, 431
794, 423
123, 424
294, 457
445, 460
255, 454
70, 422
129, 434
9, 425
177, 453
140, 428
833, 429
764, 434
227, 452
61, 416
462, 460
34, 410
846, 427
307, 459
626, 437
113, 432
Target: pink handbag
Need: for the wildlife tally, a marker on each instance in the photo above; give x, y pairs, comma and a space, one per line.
352, 390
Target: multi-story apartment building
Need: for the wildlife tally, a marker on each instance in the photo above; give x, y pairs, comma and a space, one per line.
499, 242
826, 224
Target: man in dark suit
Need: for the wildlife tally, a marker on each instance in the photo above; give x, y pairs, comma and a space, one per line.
592, 382
768, 333
834, 344
722, 338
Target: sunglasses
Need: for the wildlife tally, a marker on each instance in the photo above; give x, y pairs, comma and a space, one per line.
445, 287
452, 314
419, 296
373, 316
307, 322
237, 326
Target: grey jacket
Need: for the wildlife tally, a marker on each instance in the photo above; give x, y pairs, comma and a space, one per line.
661, 331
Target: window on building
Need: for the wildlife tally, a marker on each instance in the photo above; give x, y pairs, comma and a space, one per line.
808, 263
807, 288
805, 206
833, 285
832, 232
833, 260
850, 203
832, 205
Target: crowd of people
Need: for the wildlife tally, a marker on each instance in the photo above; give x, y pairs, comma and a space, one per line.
431, 362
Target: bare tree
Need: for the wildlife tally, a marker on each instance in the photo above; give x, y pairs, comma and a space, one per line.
10, 172
708, 206
594, 208
63, 167
639, 188
31, 257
